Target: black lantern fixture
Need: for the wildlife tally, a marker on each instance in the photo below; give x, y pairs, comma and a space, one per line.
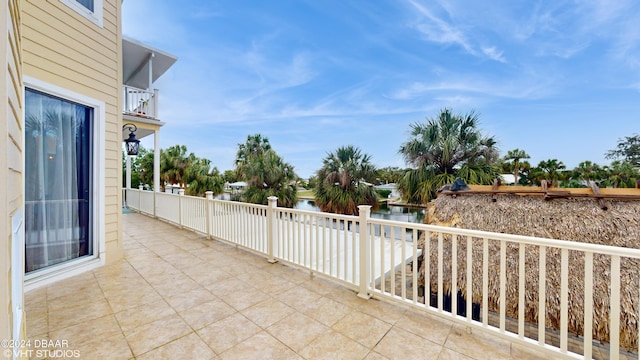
133, 144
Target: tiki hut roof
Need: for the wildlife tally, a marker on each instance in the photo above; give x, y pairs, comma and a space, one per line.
575, 219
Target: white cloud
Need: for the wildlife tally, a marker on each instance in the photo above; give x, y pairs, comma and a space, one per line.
494, 54
436, 29
463, 86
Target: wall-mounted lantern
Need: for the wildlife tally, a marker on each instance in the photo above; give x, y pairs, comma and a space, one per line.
132, 144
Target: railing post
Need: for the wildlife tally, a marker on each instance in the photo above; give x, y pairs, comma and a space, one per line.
180, 196
155, 103
271, 228
365, 251
139, 205
209, 195
125, 89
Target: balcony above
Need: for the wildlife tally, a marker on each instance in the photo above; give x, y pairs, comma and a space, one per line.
142, 64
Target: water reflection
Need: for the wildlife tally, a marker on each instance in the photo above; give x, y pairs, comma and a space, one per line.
396, 213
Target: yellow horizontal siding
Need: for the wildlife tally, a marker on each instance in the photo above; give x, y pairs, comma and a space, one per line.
69, 21
74, 52
14, 110
14, 190
65, 70
94, 42
61, 49
14, 113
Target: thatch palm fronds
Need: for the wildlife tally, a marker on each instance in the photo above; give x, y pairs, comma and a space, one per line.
442, 147
342, 182
579, 220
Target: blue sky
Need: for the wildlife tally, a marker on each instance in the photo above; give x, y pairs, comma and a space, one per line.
559, 79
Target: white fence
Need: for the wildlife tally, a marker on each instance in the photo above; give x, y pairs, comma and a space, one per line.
586, 295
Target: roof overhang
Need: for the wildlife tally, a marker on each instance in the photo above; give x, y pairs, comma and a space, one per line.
136, 59
145, 127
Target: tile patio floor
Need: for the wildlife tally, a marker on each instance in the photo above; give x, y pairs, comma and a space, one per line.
178, 295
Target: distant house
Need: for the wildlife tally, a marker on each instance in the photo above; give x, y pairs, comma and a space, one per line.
238, 185
395, 193
508, 179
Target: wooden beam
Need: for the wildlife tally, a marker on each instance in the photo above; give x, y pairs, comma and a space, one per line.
552, 194
543, 184
596, 191
496, 184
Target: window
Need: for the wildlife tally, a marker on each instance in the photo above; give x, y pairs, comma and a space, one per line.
91, 9
87, 3
58, 180
63, 182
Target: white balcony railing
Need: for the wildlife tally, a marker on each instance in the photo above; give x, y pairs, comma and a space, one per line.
138, 102
498, 273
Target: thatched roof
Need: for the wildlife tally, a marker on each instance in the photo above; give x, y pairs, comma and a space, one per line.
574, 219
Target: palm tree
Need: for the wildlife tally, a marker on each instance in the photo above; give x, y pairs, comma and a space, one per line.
200, 178
174, 162
515, 156
551, 170
443, 149
254, 146
587, 171
146, 168
621, 174
341, 183
268, 175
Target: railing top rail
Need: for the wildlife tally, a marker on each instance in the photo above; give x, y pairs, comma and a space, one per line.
194, 197
240, 203
137, 89
529, 240
321, 214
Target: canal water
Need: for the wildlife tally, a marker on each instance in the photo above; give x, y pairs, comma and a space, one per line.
396, 213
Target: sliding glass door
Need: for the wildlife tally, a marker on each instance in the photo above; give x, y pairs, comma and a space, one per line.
58, 181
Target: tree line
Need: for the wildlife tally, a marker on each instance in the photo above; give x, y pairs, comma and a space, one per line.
438, 151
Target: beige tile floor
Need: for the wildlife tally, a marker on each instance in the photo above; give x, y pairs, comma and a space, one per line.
178, 295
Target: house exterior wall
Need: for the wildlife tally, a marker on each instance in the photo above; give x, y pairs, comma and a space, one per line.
11, 198
65, 49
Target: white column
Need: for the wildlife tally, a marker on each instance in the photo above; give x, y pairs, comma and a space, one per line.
156, 161
128, 162
150, 62
155, 104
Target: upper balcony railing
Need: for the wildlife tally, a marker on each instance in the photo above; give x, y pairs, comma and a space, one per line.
138, 102
565, 299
